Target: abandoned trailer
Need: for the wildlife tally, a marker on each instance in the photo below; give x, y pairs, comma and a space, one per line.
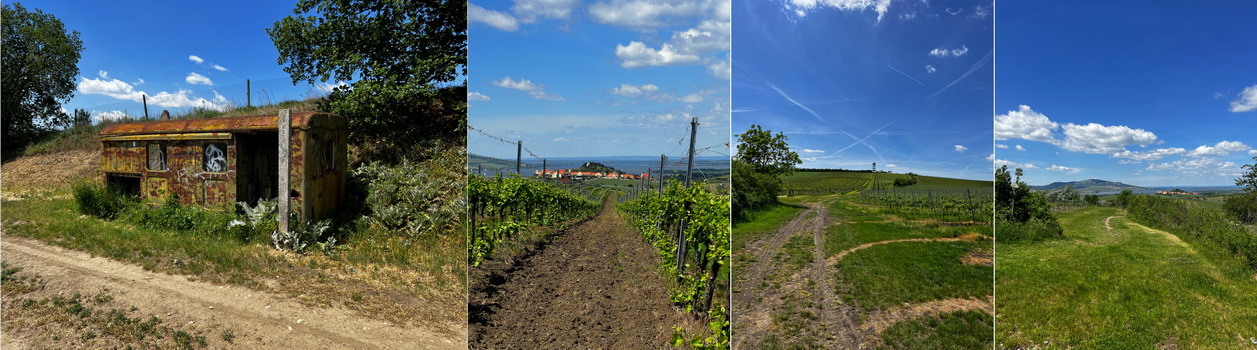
221, 161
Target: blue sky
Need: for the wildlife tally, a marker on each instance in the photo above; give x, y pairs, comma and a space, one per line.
180, 54
1150, 94
906, 84
598, 78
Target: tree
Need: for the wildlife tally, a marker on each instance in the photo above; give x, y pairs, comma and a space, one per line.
1091, 199
404, 55
81, 117
1248, 179
1124, 197
39, 68
766, 153
1065, 194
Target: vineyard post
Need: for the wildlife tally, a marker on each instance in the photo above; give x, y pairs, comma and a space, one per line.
248, 93
145, 99
543, 168
519, 149
689, 169
662, 158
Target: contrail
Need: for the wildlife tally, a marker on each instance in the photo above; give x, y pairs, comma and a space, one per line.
909, 76
972, 69
796, 103
861, 141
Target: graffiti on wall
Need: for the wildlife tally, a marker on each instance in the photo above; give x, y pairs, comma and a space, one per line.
215, 157
156, 156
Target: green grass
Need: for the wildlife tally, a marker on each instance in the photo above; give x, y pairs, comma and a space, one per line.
956, 330
1130, 287
849, 235
796, 253
887, 275
763, 223
427, 267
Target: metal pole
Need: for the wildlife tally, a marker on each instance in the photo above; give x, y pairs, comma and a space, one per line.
145, 97
248, 93
543, 168
519, 149
285, 131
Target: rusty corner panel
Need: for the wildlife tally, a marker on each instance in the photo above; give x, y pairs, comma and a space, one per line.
253, 123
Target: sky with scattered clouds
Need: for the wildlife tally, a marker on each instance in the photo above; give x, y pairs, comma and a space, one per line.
1149, 94
180, 55
598, 78
906, 84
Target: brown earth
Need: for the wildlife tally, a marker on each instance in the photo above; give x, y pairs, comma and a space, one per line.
47, 171
594, 285
256, 319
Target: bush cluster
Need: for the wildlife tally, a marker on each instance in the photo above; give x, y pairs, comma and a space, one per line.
1242, 207
1179, 217
101, 201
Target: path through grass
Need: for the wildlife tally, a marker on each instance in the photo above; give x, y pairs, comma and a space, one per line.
1121, 286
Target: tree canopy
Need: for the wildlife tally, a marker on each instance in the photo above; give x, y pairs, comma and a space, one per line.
38, 74
404, 58
1248, 179
766, 153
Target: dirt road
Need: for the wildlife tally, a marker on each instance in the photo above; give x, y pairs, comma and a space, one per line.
594, 286
254, 319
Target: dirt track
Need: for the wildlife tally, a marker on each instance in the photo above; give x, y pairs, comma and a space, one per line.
258, 319
594, 286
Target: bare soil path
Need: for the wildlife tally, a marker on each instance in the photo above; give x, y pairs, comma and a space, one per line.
594, 285
258, 320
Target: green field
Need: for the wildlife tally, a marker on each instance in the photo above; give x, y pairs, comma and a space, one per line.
831, 182
1122, 285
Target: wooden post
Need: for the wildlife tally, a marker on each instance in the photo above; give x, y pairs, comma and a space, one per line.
689, 170
145, 99
662, 157
248, 93
285, 131
543, 168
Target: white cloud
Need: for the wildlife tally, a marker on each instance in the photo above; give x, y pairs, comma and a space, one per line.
805, 150
908, 16
961, 149
929, 68
196, 79
327, 88
495, 19
991, 157
1100, 139
1019, 148
953, 12
1252, 152
218, 68
536, 91
1155, 154
98, 116
1203, 166
720, 69
1026, 124
529, 11
637, 55
1220, 149
121, 90
103, 74
980, 12
476, 96
1092, 138
891, 166
195, 58
561, 139
1247, 101
1063, 169
642, 13
708, 36
138, 82
651, 92
1000, 146
944, 52
802, 7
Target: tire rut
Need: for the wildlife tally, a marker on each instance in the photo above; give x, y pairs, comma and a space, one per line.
878, 321
753, 305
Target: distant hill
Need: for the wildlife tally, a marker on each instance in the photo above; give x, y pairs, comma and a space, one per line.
489, 163
1090, 186
596, 167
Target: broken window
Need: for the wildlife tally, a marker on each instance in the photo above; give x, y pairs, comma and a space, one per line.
215, 157
156, 156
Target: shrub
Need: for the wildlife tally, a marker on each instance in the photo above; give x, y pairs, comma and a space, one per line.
1029, 231
752, 190
101, 201
1242, 207
177, 217
413, 198
1179, 217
